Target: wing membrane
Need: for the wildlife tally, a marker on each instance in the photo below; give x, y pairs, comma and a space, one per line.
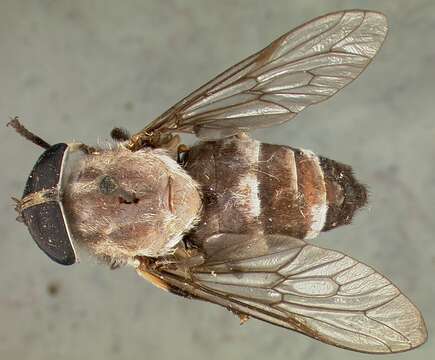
318, 292
303, 67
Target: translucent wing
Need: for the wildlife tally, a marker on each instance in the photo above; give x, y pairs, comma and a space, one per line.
318, 292
303, 67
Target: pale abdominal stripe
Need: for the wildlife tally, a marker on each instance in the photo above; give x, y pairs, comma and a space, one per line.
318, 211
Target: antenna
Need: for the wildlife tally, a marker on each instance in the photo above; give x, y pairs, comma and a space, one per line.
21, 129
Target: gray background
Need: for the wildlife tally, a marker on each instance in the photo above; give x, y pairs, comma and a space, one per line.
74, 69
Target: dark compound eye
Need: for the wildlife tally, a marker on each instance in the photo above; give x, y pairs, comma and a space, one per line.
108, 185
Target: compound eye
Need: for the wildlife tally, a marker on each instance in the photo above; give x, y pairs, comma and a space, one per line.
108, 185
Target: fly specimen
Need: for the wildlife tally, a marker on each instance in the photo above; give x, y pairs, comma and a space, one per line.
227, 220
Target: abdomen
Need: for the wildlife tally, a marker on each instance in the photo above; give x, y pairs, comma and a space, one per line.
251, 187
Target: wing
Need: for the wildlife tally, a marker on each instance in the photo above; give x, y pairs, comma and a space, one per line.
303, 67
319, 292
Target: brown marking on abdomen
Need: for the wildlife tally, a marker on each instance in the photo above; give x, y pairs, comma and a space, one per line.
278, 183
293, 198
312, 189
227, 173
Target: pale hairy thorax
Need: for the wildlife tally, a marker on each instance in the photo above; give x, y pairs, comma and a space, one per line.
151, 204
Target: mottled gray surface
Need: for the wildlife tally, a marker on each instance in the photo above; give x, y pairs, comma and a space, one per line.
74, 69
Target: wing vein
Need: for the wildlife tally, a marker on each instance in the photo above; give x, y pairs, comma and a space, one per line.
391, 328
382, 304
342, 328
366, 292
308, 40
312, 267
277, 104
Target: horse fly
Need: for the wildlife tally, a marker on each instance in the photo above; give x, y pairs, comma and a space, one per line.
229, 219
